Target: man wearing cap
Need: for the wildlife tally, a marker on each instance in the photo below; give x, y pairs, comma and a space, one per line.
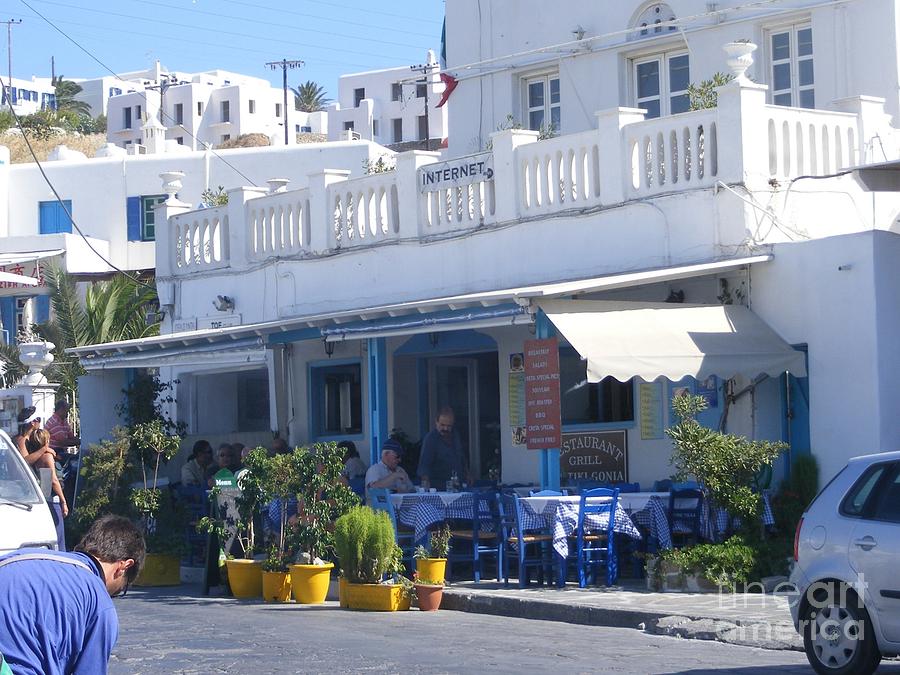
388, 473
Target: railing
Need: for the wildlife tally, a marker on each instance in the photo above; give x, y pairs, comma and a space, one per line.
810, 142
364, 210
458, 208
559, 173
278, 224
201, 239
673, 153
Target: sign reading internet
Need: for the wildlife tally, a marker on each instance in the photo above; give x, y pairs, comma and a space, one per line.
456, 172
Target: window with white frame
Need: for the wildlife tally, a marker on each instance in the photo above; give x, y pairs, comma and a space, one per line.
542, 102
661, 82
791, 56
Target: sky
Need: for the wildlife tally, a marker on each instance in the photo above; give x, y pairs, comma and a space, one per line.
332, 37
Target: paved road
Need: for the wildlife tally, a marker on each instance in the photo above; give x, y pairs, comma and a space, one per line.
161, 632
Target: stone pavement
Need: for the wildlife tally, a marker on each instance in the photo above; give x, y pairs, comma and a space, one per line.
748, 619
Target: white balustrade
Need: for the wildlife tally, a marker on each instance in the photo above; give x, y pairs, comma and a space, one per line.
458, 208
805, 142
200, 239
365, 210
673, 153
559, 173
278, 224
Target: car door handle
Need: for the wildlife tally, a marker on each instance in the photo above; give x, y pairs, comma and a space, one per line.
866, 543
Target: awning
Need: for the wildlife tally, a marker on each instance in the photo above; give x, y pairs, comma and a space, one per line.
650, 340
233, 354
21, 269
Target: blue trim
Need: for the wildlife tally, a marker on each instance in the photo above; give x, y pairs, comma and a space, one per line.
133, 217
8, 316
422, 383
378, 396
457, 341
294, 336
42, 309
549, 457
52, 217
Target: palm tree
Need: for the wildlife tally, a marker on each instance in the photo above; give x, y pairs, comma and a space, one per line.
66, 91
310, 97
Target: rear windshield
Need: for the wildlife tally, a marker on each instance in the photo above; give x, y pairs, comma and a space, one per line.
15, 479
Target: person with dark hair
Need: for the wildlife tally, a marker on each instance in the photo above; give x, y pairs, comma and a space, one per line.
194, 470
354, 467
29, 421
279, 447
442, 452
56, 611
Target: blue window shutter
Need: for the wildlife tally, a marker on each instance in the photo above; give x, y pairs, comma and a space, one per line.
48, 217
64, 223
133, 216
42, 309
8, 316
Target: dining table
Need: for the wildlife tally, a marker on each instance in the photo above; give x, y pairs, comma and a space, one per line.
421, 510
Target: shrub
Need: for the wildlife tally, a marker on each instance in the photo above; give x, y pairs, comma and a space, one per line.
727, 564
795, 494
364, 543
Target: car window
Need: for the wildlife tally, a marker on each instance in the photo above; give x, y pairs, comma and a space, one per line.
889, 503
15, 483
860, 496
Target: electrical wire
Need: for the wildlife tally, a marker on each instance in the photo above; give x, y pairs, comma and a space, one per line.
60, 199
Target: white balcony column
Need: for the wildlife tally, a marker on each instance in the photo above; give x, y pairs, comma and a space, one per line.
238, 225
508, 175
166, 239
873, 128
742, 134
321, 211
615, 163
409, 199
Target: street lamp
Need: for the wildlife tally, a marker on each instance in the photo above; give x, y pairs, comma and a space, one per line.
284, 64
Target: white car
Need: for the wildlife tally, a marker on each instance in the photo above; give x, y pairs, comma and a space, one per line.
847, 553
25, 519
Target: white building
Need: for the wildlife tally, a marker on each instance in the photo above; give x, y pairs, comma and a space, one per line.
355, 305
30, 96
388, 106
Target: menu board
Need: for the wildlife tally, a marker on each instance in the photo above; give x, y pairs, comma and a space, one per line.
542, 396
651, 410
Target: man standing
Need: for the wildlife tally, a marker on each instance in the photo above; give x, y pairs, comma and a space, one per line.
55, 608
388, 473
61, 438
442, 452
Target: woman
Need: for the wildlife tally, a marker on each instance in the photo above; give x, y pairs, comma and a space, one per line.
38, 442
194, 470
30, 421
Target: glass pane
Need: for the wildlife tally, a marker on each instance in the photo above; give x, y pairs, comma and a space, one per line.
652, 107
889, 509
648, 79
806, 72
535, 120
783, 99
535, 94
807, 98
554, 117
679, 73
855, 502
781, 46
679, 104
554, 90
781, 76
804, 42
579, 398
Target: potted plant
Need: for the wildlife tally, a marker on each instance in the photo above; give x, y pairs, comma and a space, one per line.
433, 564
276, 578
322, 498
278, 480
702, 568
367, 551
429, 593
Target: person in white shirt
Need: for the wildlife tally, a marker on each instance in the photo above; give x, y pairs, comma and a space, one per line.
388, 473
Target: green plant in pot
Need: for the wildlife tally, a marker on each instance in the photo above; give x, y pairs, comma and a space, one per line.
433, 564
429, 592
367, 551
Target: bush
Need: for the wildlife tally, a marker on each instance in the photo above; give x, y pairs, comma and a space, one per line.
795, 494
727, 565
364, 543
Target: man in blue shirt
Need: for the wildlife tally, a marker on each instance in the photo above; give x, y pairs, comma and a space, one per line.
442, 453
56, 612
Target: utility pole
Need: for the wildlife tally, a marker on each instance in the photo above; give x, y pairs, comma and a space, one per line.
426, 70
166, 80
9, 26
284, 64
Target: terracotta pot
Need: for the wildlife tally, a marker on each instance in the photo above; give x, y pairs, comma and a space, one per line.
429, 597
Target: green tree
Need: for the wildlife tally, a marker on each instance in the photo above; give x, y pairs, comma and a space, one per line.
66, 91
703, 96
310, 97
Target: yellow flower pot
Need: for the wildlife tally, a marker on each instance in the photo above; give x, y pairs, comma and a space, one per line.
244, 578
377, 597
310, 583
160, 570
432, 569
342, 592
276, 586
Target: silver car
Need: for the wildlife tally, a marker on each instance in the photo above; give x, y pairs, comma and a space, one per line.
847, 572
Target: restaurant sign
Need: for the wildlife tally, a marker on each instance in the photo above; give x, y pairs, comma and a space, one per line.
594, 455
30, 268
456, 172
542, 412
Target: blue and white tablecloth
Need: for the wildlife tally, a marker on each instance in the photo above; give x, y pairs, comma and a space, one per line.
422, 510
651, 511
713, 528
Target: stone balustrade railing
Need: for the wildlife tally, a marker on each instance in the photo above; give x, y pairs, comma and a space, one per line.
625, 158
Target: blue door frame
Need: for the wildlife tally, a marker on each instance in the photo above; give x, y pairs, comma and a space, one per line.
795, 414
378, 397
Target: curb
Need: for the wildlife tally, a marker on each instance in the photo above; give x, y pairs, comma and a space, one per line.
774, 636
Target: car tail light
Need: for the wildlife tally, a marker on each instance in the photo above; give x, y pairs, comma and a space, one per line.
797, 541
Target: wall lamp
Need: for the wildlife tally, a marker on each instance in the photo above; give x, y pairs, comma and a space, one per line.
224, 303
329, 347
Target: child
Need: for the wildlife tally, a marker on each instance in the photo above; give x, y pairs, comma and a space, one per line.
38, 440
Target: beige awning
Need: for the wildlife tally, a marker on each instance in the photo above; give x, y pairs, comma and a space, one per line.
650, 340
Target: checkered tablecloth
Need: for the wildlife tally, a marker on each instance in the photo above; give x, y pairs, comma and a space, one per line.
422, 510
653, 515
561, 514
713, 528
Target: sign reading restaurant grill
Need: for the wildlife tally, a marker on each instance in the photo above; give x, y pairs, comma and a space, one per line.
456, 172
594, 455
542, 412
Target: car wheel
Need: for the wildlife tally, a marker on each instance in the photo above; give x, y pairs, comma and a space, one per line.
837, 632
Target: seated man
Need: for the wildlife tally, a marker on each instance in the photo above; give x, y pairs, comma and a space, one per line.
388, 473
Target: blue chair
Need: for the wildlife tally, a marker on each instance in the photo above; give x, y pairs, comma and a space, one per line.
358, 485
549, 493
596, 547
379, 500
663, 485
517, 541
627, 487
484, 539
685, 507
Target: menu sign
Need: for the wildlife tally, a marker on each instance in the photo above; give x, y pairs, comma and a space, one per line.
542, 412
594, 455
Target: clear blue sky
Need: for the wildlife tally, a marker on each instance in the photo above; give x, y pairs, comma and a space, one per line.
333, 37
